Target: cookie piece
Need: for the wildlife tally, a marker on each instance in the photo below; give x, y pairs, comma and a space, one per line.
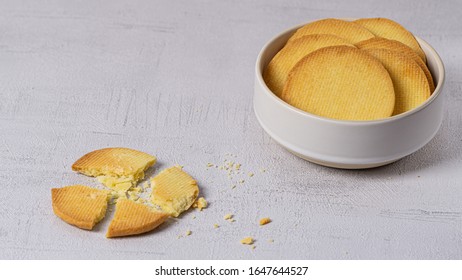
382, 43
174, 190
345, 29
79, 205
389, 29
341, 83
131, 218
410, 83
116, 168
278, 69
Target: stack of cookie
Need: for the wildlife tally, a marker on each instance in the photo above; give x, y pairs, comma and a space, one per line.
366, 69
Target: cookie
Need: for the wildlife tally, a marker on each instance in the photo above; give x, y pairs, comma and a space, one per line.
174, 190
342, 83
389, 29
409, 81
278, 69
131, 218
382, 43
117, 168
80, 206
348, 30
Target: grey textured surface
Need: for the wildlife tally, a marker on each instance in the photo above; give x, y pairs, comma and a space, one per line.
175, 79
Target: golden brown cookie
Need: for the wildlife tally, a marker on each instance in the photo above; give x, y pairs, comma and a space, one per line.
80, 206
278, 69
117, 168
342, 83
382, 43
133, 218
174, 190
410, 83
389, 29
348, 30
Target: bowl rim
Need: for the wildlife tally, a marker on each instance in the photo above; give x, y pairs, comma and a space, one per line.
274, 97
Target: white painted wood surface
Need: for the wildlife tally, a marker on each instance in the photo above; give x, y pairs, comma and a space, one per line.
175, 79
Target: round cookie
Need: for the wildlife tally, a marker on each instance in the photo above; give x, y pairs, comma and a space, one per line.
411, 85
278, 69
382, 43
348, 30
386, 28
342, 83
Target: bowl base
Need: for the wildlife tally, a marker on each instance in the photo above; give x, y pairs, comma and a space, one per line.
341, 165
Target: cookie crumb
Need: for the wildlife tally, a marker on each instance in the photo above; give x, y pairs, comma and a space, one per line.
228, 216
200, 203
264, 221
247, 241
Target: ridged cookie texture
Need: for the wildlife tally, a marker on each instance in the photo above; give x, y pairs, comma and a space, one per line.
409, 81
278, 69
389, 29
342, 83
117, 168
79, 205
345, 29
131, 218
393, 45
174, 190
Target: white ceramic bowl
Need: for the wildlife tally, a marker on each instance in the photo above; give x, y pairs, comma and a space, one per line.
347, 144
